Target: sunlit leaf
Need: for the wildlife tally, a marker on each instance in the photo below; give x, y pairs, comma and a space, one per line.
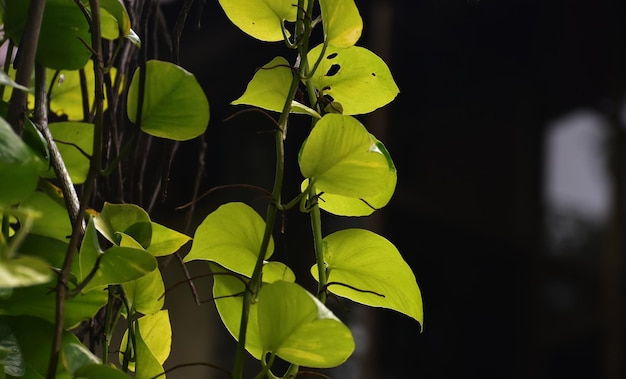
145, 294
368, 269
120, 265
153, 336
262, 19
228, 294
269, 88
297, 327
342, 22
354, 78
63, 30
231, 236
125, 218
165, 241
352, 206
174, 104
117, 10
18, 169
274, 271
342, 158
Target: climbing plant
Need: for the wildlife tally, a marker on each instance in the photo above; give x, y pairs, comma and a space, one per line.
77, 258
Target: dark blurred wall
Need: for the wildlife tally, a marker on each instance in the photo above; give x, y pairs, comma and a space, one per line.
480, 80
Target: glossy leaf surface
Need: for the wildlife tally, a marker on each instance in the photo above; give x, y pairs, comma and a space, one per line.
342, 158
342, 22
174, 104
231, 236
354, 77
24, 271
62, 29
297, 327
262, 19
375, 270
125, 218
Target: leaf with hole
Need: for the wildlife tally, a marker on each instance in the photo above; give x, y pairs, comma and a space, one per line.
368, 269
342, 158
231, 236
342, 22
297, 327
354, 77
174, 104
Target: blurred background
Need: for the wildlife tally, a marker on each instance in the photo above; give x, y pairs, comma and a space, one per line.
508, 136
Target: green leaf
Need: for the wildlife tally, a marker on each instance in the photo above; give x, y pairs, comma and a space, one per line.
297, 327
120, 265
368, 269
12, 359
24, 271
145, 294
274, 271
18, 169
116, 9
174, 104
74, 356
153, 336
269, 88
54, 220
71, 138
342, 158
262, 19
228, 294
231, 236
66, 97
31, 334
62, 29
125, 218
342, 22
165, 241
48, 249
98, 371
354, 78
351, 206
39, 301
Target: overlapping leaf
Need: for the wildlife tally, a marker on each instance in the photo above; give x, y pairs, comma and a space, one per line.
18, 168
231, 236
342, 22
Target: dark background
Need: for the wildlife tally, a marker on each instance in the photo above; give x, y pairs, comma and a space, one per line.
480, 81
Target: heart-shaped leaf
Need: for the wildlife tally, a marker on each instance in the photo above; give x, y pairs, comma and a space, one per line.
145, 294
269, 88
153, 336
125, 218
368, 269
297, 327
262, 19
174, 104
232, 237
342, 158
342, 22
356, 80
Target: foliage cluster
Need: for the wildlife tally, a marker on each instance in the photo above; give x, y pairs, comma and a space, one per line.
64, 264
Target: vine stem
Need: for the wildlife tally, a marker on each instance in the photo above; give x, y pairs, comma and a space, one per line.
27, 52
256, 278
